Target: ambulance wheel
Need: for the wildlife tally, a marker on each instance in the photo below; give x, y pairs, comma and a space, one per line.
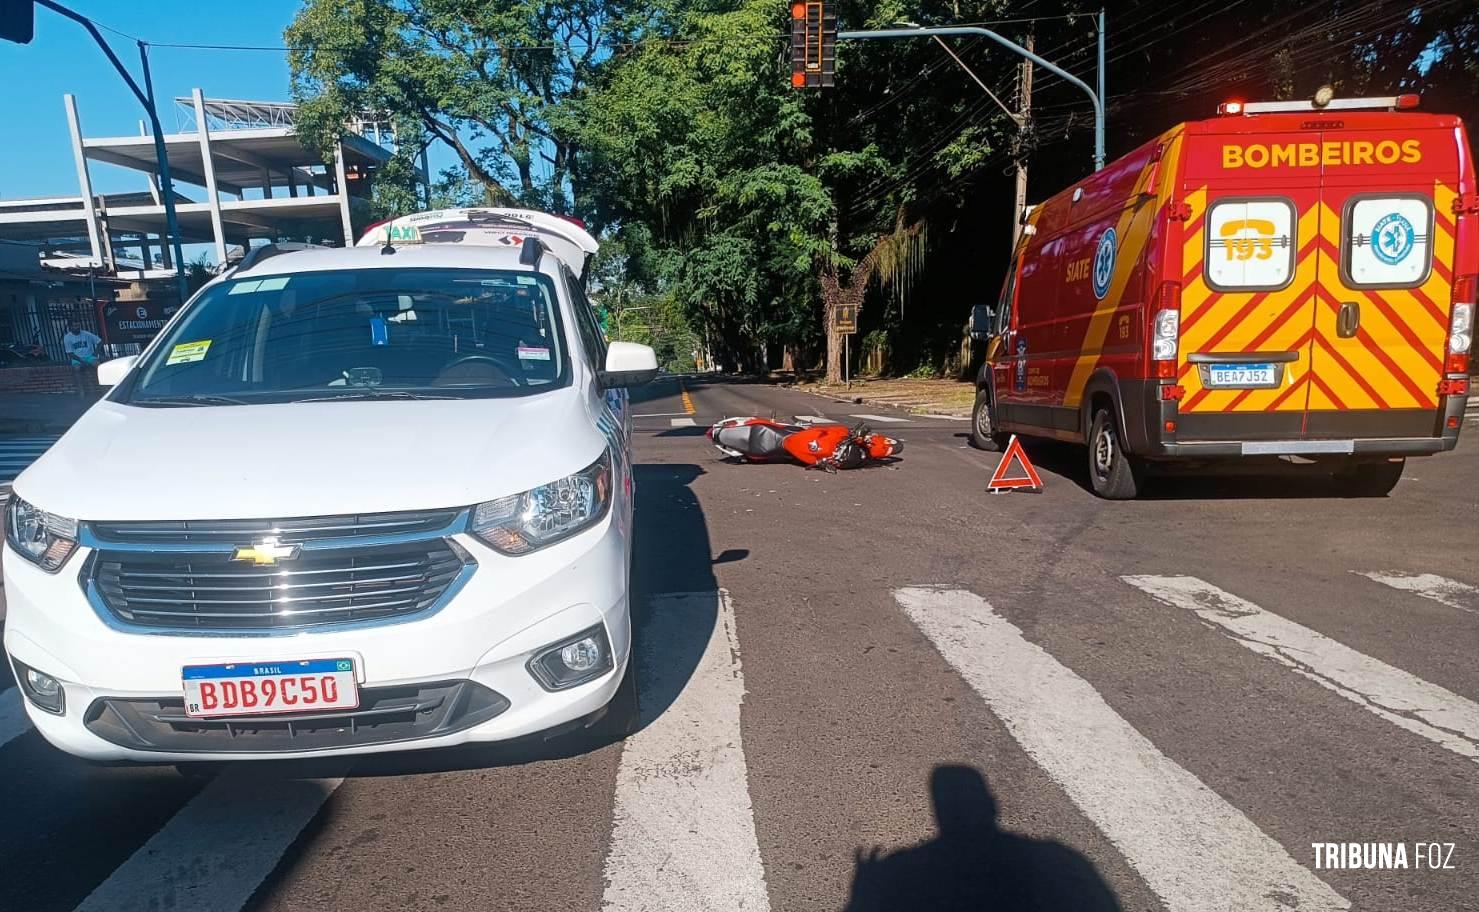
1370, 479
984, 435
1114, 473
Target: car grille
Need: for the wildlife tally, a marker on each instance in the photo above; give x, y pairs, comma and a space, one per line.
289, 531
210, 591
385, 715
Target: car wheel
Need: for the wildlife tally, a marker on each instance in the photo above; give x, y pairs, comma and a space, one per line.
1370, 479
1113, 472
622, 713
984, 435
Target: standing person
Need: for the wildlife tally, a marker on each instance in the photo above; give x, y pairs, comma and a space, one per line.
81, 346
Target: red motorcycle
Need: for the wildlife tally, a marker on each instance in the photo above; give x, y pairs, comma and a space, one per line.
824, 446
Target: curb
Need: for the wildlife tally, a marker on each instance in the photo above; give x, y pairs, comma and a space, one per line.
864, 400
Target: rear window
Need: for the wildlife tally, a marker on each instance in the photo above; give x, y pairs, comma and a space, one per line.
1250, 244
1386, 241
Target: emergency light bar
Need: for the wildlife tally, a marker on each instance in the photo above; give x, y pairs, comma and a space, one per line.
1385, 102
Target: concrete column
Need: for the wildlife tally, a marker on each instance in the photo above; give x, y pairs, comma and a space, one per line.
107, 234
84, 182
153, 178
343, 194
266, 184
209, 166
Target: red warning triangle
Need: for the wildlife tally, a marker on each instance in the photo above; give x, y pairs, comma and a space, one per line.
1000, 481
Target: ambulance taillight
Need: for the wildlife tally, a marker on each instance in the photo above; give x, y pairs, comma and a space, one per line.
1461, 324
1167, 327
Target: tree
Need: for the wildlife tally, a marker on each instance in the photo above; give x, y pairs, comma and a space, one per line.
486, 78
697, 154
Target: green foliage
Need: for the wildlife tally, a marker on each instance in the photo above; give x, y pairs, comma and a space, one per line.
697, 153
487, 79
729, 204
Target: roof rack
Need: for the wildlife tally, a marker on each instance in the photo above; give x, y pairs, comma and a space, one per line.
257, 254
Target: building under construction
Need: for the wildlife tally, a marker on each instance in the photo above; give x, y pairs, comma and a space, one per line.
241, 175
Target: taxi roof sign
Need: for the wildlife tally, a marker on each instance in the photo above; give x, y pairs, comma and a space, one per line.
491, 227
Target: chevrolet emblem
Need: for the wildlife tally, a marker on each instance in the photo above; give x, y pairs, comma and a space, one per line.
265, 552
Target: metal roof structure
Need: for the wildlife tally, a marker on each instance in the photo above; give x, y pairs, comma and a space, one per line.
259, 181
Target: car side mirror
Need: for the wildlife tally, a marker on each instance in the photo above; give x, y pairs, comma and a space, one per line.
628, 364
110, 373
983, 317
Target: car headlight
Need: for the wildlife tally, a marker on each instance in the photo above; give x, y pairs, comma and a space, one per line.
43, 538
541, 516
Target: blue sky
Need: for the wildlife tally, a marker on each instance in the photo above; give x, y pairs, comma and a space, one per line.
36, 159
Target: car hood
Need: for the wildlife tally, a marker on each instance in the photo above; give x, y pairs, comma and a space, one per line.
123, 462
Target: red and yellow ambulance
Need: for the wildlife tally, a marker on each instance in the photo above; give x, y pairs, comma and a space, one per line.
1288, 282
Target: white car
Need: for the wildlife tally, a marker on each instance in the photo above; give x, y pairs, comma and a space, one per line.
349, 501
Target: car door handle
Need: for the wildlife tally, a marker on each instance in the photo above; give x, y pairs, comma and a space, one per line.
1349, 320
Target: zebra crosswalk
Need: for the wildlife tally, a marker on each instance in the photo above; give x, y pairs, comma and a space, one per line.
17, 453
685, 833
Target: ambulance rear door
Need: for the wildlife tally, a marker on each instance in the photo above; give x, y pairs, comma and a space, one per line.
1248, 287
1385, 261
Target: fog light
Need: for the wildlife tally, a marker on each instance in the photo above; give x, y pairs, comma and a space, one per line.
576, 660
582, 656
42, 689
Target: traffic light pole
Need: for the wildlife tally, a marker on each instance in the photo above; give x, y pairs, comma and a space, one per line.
166, 187
1015, 48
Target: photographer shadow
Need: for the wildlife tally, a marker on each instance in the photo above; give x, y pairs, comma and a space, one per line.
975, 866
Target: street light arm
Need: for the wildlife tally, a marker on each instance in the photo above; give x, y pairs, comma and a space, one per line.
97, 36
1011, 46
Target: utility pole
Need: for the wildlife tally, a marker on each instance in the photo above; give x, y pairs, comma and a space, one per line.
1024, 117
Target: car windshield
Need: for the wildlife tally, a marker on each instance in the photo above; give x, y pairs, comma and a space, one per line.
360, 334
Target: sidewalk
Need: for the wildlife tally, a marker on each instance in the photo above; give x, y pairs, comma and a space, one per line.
932, 397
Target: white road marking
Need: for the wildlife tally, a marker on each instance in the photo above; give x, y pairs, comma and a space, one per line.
814, 419
1165, 821
216, 850
882, 419
683, 836
1404, 700
943, 417
1440, 589
659, 414
682, 422
13, 721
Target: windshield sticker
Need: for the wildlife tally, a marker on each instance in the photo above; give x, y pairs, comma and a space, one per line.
187, 352
527, 280
245, 287
276, 284
529, 353
379, 334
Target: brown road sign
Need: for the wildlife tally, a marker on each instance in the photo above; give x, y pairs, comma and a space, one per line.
845, 318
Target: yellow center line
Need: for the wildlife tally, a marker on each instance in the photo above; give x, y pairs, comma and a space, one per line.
688, 402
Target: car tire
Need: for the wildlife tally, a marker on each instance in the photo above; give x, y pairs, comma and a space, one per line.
1370, 479
984, 435
1113, 472
623, 715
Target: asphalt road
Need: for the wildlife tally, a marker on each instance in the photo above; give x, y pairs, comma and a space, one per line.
889, 689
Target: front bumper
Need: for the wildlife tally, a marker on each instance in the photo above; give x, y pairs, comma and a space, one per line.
459, 673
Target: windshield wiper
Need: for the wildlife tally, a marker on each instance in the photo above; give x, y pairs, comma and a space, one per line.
363, 394
189, 400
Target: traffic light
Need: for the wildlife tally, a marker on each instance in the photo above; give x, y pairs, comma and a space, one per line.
17, 21
813, 43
